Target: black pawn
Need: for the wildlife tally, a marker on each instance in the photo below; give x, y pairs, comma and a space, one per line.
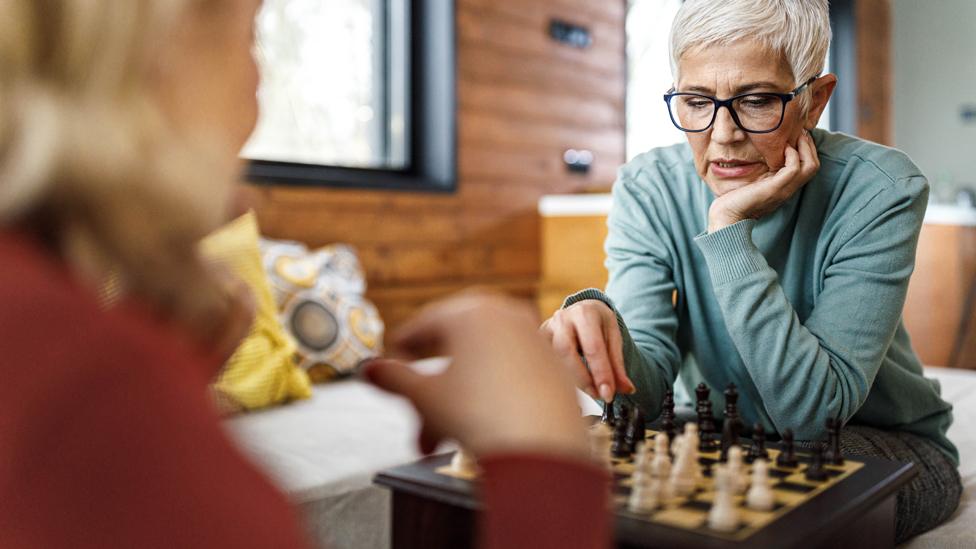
667, 407
816, 470
635, 429
609, 418
701, 394
787, 457
620, 448
833, 455
706, 430
758, 448
668, 428
730, 438
731, 403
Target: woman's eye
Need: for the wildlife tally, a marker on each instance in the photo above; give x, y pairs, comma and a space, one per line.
756, 101
698, 103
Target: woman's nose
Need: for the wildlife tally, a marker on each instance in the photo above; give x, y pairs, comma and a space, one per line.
724, 129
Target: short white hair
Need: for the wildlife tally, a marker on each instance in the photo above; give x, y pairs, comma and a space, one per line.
800, 29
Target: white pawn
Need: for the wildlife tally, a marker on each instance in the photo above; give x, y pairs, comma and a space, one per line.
737, 474
723, 516
692, 439
661, 467
642, 463
676, 445
644, 495
686, 470
691, 435
760, 496
601, 439
661, 464
464, 463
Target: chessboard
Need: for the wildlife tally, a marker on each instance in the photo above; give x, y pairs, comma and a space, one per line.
789, 485
696, 488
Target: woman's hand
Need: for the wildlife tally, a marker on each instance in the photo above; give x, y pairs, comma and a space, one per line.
504, 390
589, 328
770, 191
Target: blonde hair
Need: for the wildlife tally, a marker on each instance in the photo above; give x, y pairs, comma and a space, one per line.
88, 159
799, 29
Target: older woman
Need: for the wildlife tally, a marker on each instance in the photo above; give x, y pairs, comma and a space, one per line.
120, 124
769, 254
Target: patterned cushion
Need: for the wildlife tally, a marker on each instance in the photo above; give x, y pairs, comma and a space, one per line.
262, 371
320, 299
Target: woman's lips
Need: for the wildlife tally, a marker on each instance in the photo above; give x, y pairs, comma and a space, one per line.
733, 169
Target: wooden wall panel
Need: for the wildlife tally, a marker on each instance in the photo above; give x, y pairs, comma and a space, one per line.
523, 100
874, 80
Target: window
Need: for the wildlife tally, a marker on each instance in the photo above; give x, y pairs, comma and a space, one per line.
355, 93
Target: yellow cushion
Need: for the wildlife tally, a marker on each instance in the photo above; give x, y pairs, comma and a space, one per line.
262, 371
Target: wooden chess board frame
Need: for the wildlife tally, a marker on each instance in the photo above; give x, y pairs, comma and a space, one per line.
854, 508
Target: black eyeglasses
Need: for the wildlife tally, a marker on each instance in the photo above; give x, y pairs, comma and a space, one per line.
753, 112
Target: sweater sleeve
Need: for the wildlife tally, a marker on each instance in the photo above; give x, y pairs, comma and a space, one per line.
823, 367
544, 502
641, 292
129, 453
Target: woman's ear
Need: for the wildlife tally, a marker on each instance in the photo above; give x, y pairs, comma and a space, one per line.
820, 91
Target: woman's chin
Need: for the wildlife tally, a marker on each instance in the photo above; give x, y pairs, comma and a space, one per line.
720, 186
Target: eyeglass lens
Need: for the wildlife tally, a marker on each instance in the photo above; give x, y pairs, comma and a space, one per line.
756, 112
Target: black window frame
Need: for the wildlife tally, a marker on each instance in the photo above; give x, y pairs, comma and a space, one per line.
432, 154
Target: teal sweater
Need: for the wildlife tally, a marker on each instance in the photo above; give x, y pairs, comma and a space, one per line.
800, 309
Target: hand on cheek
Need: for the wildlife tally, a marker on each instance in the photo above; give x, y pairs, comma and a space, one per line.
800, 164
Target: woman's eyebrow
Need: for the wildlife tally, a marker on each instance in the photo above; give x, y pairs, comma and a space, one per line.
744, 88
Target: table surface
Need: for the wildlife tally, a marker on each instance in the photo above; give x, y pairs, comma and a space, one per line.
816, 520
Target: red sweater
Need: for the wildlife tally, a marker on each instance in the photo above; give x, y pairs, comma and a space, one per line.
108, 439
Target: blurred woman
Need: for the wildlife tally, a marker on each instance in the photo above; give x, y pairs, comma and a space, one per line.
120, 124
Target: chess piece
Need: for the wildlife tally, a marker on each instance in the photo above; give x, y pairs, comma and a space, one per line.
730, 437
642, 461
701, 397
645, 490
464, 463
732, 426
736, 469
815, 471
600, 442
643, 496
667, 427
833, 455
661, 467
707, 429
661, 464
760, 495
758, 448
686, 471
620, 448
787, 457
608, 418
731, 403
635, 429
723, 516
693, 442
667, 407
